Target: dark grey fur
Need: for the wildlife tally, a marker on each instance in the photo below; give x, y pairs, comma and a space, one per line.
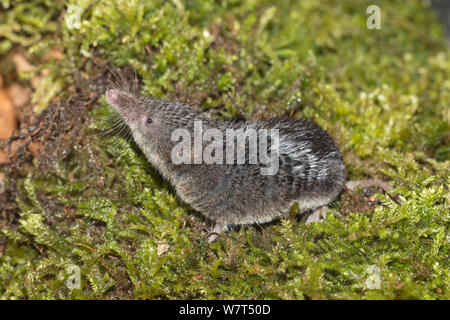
311, 169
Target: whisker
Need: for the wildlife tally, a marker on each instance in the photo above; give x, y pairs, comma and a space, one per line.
114, 84
135, 81
127, 88
118, 80
113, 122
154, 71
107, 132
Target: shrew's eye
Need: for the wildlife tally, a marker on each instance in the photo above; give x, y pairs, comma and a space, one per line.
149, 120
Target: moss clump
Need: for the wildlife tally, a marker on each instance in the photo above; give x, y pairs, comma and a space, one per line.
382, 94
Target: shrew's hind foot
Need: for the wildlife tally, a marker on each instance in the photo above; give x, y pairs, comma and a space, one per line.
317, 215
216, 231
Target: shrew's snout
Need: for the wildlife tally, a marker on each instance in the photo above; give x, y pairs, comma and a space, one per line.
124, 103
120, 100
113, 96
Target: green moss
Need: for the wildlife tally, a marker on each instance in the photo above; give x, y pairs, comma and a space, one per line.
382, 94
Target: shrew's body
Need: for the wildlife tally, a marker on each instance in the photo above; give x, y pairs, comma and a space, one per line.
310, 169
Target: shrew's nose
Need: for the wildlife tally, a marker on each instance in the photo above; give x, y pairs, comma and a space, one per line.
113, 95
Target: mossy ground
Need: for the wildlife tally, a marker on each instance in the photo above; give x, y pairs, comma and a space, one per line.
94, 202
